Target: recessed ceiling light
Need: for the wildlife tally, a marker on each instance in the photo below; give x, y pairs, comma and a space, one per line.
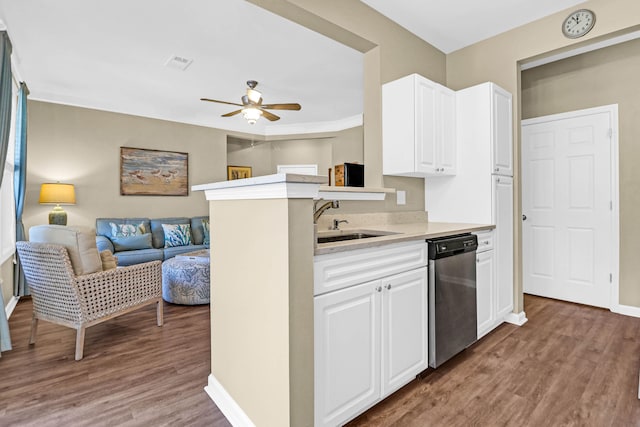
178, 62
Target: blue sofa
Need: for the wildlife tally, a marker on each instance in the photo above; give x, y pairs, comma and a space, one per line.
155, 250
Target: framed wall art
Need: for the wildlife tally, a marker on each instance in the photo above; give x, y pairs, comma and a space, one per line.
238, 172
146, 172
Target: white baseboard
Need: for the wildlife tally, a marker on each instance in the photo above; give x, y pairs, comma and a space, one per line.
518, 319
627, 310
11, 305
226, 404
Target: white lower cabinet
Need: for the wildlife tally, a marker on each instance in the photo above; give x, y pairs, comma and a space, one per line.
486, 291
370, 340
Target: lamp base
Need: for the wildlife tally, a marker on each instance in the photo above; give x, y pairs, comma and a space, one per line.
58, 216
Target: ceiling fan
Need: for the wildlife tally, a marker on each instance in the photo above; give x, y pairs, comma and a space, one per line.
252, 106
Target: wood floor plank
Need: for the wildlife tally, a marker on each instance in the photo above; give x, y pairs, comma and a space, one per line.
569, 365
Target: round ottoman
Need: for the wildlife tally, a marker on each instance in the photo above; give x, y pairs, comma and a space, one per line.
185, 280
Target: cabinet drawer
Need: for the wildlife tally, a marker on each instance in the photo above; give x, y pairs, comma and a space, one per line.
485, 240
340, 270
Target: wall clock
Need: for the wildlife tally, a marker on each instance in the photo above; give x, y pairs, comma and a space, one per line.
578, 23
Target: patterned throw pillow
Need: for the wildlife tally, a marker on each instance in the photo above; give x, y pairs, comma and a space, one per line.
126, 230
176, 235
205, 229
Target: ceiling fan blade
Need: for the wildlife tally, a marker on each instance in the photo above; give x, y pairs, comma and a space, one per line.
270, 116
220, 102
233, 113
282, 106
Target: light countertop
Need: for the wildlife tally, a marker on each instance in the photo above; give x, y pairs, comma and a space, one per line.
402, 233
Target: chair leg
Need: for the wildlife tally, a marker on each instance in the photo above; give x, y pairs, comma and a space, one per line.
34, 329
159, 312
80, 342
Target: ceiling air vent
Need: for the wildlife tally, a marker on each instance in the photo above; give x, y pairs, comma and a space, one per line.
178, 62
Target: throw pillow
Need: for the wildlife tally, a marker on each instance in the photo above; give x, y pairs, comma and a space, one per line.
126, 230
109, 262
130, 243
205, 228
176, 235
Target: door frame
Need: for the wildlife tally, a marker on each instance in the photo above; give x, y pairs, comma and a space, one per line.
612, 110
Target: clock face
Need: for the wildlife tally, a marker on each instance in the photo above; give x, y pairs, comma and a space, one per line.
578, 23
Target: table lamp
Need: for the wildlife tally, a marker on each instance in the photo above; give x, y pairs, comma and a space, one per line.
57, 193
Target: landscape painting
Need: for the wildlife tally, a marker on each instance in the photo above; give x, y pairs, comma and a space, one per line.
153, 172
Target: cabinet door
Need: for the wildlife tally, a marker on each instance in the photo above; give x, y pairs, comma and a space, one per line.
347, 352
426, 126
503, 210
447, 143
404, 328
485, 292
502, 132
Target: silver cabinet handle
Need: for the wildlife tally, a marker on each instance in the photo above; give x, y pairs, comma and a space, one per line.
486, 242
379, 288
497, 169
388, 286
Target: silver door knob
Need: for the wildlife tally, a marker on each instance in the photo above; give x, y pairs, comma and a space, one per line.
524, 217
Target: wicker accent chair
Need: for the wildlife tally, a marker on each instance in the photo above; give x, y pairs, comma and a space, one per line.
61, 297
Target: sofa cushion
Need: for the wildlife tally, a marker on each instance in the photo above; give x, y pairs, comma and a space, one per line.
103, 227
127, 230
197, 229
205, 229
139, 256
80, 243
130, 243
157, 232
176, 235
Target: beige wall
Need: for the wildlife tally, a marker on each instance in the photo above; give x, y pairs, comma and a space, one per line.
265, 359
82, 146
603, 77
497, 59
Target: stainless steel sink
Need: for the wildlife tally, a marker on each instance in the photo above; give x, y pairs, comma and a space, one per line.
341, 236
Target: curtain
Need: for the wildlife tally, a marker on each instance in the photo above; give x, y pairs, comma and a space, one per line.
5, 126
20, 287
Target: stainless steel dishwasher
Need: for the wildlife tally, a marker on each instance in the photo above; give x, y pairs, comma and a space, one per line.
452, 296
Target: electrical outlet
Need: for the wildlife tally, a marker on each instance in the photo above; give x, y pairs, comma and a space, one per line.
401, 197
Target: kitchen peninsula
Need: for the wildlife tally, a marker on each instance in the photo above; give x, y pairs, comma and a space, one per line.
262, 275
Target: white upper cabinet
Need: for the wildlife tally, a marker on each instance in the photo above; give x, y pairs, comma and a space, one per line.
502, 137
418, 128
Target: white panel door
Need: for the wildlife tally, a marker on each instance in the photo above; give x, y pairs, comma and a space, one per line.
404, 328
347, 352
426, 126
566, 199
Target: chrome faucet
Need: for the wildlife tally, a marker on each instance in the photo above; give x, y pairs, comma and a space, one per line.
336, 223
317, 211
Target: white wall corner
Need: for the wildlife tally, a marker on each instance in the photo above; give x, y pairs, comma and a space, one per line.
517, 319
11, 305
223, 400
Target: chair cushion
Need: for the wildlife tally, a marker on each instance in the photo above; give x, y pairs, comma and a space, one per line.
108, 260
80, 243
176, 235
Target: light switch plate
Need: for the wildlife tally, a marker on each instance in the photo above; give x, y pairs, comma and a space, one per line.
401, 197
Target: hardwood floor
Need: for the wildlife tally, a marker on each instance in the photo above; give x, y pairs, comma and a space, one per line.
133, 373
569, 365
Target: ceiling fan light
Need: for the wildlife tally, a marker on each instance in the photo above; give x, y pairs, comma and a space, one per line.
254, 96
251, 115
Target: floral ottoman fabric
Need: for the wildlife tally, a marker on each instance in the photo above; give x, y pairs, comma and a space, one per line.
185, 281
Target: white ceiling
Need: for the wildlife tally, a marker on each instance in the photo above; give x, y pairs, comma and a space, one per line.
453, 24
111, 55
